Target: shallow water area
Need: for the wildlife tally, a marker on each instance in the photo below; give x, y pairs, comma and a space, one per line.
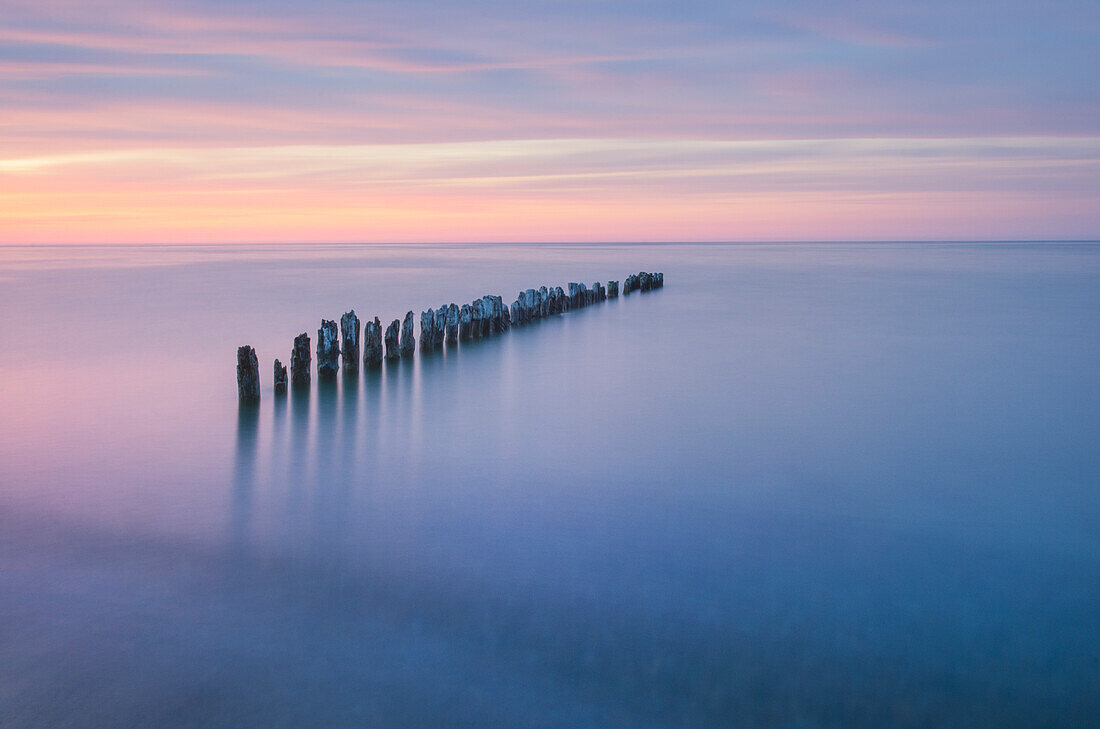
801, 485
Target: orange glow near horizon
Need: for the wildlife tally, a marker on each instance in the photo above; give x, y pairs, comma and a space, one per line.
567, 190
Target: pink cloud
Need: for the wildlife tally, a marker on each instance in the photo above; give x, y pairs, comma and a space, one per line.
54, 69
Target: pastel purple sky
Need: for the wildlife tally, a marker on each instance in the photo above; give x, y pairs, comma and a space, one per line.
156, 121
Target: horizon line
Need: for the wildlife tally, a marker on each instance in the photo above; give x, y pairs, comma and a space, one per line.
817, 241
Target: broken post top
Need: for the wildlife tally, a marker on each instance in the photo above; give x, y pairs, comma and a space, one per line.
300, 361
328, 349
248, 375
408, 341
349, 341
372, 343
280, 377
391, 340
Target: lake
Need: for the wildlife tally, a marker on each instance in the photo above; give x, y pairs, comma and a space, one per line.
802, 485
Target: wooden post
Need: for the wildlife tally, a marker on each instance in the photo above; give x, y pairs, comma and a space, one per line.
300, 361
427, 330
248, 375
452, 324
349, 342
408, 341
372, 343
440, 326
280, 378
392, 351
488, 326
466, 322
328, 350
477, 315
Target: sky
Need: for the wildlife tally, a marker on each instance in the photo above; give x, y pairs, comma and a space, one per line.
125, 121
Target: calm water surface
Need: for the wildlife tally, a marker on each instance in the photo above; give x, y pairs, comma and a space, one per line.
801, 486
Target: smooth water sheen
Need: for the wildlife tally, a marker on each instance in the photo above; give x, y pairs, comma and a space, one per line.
800, 486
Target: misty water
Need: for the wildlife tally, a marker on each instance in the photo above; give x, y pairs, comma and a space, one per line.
827, 485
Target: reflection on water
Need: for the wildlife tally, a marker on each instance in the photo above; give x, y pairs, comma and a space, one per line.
799, 486
244, 474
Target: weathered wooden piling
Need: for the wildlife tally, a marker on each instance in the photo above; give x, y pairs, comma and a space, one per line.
579, 296
520, 314
392, 350
496, 313
530, 299
427, 330
452, 324
372, 343
446, 325
553, 300
248, 375
466, 322
349, 342
488, 326
440, 325
492, 314
408, 341
643, 281
328, 350
477, 315
280, 378
300, 361
520, 306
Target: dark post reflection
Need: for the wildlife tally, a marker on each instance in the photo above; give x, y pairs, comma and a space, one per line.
244, 472
298, 453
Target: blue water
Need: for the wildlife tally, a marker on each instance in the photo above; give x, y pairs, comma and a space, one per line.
830, 485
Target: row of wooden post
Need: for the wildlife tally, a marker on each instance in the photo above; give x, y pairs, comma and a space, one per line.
447, 324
